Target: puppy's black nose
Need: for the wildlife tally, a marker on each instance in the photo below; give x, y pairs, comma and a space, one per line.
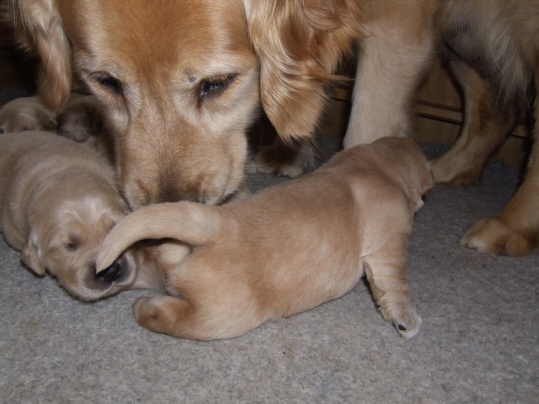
112, 273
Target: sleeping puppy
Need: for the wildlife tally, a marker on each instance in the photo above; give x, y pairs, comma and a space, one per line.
287, 248
79, 118
58, 200
26, 113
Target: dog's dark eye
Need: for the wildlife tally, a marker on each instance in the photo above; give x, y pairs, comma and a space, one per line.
108, 82
214, 86
73, 243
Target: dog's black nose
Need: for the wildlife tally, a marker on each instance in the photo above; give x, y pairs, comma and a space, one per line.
112, 273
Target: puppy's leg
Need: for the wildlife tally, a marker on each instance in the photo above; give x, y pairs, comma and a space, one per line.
167, 315
514, 230
392, 61
180, 318
386, 273
486, 125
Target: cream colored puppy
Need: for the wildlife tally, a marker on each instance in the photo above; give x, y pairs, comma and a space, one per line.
80, 118
58, 200
26, 113
287, 248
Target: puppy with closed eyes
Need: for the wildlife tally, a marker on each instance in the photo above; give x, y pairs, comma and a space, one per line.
79, 119
58, 201
285, 249
26, 113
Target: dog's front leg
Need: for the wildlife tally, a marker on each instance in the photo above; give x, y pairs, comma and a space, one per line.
386, 272
393, 59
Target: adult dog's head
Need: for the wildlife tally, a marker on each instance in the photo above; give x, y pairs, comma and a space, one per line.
180, 81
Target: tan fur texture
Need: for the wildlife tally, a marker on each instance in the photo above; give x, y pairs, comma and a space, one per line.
287, 248
24, 114
181, 82
58, 200
497, 44
79, 118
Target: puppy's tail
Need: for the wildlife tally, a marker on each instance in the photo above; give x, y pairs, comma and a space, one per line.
189, 222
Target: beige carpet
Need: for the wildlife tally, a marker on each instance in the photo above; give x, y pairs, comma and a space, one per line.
479, 341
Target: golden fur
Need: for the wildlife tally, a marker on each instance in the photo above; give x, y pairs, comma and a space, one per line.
244, 267
496, 44
181, 82
79, 119
24, 114
58, 200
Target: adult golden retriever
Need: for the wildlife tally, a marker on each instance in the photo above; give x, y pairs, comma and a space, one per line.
180, 81
352, 216
58, 201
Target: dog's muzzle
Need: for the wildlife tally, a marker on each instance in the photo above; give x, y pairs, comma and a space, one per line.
111, 273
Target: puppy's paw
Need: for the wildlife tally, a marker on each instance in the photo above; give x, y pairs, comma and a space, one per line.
274, 160
406, 321
148, 313
164, 314
495, 236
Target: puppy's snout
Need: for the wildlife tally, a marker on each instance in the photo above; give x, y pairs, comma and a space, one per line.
111, 273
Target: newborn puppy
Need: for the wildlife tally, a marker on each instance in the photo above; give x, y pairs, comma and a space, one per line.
79, 118
287, 248
24, 114
58, 200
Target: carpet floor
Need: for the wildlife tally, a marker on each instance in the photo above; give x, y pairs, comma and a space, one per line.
479, 342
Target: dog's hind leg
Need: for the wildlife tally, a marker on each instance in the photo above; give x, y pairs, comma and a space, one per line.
487, 123
386, 273
514, 230
170, 315
198, 320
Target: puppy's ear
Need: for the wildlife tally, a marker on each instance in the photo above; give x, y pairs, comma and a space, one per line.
39, 29
299, 44
30, 257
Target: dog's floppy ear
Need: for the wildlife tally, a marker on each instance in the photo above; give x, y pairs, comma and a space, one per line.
39, 29
30, 256
299, 44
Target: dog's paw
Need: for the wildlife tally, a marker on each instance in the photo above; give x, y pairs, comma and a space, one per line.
406, 321
165, 314
149, 313
447, 171
494, 236
272, 160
